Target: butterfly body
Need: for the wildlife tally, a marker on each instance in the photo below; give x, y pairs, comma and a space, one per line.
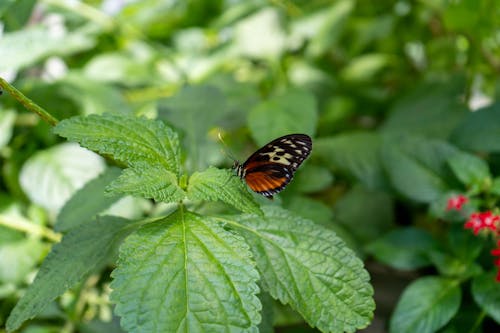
271, 168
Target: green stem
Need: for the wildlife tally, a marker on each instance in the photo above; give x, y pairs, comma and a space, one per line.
29, 228
478, 322
28, 103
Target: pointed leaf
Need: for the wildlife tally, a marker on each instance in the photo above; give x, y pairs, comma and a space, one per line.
310, 268
69, 262
215, 184
470, 169
426, 306
186, 273
129, 139
356, 154
148, 182
479, 130
417, 166
87, 202
487, 294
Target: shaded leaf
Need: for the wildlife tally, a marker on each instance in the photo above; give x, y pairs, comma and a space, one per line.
356, 154
293, 112
426, 305
310, 268
81, 250
430, 109
470, 169
186, 273
417, 166
215, 184
87, 202
404, 248
487, 294
478, 131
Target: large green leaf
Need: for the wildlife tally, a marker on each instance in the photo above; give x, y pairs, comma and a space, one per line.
479, 130
426, 306
292, 112
487, 294
81, 251
310, 268
215, 184
51, 176
87, 202
150, 148
430, 109
356, 154
403, 249
417, 166
129, 139
186, 273
23, 48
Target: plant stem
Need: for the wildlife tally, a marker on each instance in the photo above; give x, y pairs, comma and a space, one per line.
29, 228
478, 322
28, 103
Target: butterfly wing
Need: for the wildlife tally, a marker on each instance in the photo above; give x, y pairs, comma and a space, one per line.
271, 168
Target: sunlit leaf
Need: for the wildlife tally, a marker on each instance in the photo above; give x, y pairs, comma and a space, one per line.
310, 268
186, 273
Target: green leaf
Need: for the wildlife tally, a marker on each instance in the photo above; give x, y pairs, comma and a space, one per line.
186, 273
325, 28
311, 178
403, 248
18, 259
81, 250
293, 112
376, 217
87, 202
150, 148
417, 166
311, 209
23, 48
487, 294
426, 306
129, 139
93, 96
479, 130
195, 110
151, 182
469, 169
7, 118
215, 184
495, 186
310, 268
356, 154
431, 109
51, 176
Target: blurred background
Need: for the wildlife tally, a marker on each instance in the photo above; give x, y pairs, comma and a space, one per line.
385, 88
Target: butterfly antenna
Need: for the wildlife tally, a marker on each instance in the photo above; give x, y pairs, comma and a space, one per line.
226, 151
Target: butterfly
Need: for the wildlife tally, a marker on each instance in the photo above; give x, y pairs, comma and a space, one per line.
271, 168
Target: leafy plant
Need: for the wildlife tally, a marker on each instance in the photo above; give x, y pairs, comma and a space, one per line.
192, 271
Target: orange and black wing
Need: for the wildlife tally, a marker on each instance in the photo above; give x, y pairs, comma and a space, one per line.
272, 167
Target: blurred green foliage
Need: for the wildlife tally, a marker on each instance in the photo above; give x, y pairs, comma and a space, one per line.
385, 88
